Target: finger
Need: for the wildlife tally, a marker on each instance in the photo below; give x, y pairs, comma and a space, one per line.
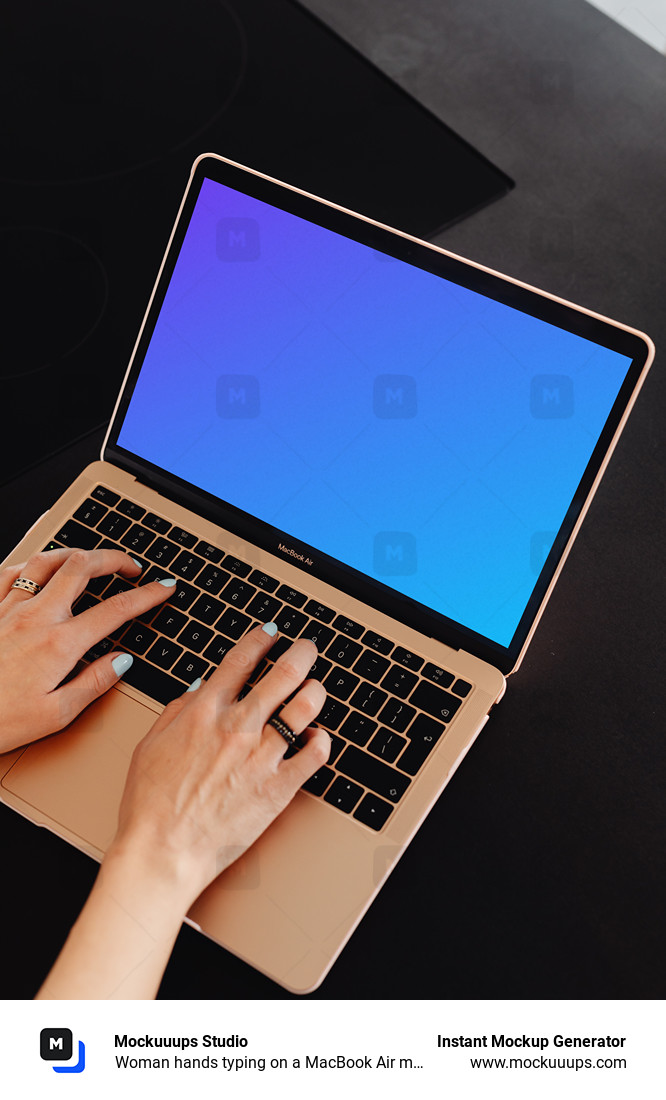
39, 568
79, 567
70, 699
294, 771
108, 615
236, 666
7, 577
298, 714
288, 673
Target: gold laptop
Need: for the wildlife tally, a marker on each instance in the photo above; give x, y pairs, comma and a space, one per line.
372, 442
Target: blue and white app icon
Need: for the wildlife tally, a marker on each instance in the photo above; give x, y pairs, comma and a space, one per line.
56, 1045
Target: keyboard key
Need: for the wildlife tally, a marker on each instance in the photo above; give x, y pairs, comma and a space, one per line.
358, 728
207, 610
99, 649
90, 512
337, 745
278, 648
107, 496
264, 608
373, 811
233, 623
153, 573
116, 586
406, 658
343, 794
438, 675
348, 627
343, 651
262, 580
195, 636
209, 552
217, 649
291, 596
236, 566
387, 744
318, 633
331, 714
318, 782
74, 534
187, 565
183, 538
376, 642
113, 525
183, 596
319, 611
379, 777
462, 688
370, 666
211, 579
340, 683
237, 592
368, 699
131, 509
399, 681
137, 538
84, 603
164, 653
156, 523
51, 545
162, 552
98, 584
424, 734
290, 622
137, 638
397, 715
169, 621
189, 668
156, 684
320, 669
433, 700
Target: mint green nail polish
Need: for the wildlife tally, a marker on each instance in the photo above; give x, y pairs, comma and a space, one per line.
137, 563
195, 685
121, 663
270, 629
168, 582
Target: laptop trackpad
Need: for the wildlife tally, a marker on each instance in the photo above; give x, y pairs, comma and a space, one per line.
77, 777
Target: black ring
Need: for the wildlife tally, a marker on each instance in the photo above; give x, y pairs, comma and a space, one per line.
283, 729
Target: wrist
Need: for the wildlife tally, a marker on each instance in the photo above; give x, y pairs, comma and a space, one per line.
158, 883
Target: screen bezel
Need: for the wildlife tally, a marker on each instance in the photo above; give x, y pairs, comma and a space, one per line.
438, 262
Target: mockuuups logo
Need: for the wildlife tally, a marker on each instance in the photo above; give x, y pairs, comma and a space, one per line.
56, 1044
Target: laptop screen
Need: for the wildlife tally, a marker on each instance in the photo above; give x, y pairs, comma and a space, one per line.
420, 432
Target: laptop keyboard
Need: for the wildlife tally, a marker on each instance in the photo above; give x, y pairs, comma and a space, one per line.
386, 707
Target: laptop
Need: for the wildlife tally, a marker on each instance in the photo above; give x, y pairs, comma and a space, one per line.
374, 443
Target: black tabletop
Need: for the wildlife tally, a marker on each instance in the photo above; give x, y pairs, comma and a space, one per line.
540, 872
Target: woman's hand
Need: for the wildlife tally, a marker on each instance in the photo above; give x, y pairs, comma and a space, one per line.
41, 641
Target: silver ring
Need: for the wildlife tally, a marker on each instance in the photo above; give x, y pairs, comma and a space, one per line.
27, 585
283, 729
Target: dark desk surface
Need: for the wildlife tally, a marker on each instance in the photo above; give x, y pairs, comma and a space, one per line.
540, 873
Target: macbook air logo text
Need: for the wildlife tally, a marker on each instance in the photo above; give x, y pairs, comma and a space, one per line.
552, 397
294, 554
394, 396
237, 239
237, 396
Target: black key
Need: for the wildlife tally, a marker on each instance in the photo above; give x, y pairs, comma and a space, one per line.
397, 715
438, 675
331, 714
348, 627
371, 666
209, 552
169, 621
183, 538
195, 636
52, 545
233, 623
343, 794
84, 603
278, 648
318, 782
98, 584
75, 534
153, 573
217, 649
187, 565
263, 607
372, 773
137, 638
156, 684
290, 622
147, 616
107, 496
368, 699
164, 652
337, 745
399, 681
376, 642
183, 596
116, 586
107, 544
373, 811
156, 523
99, 649
237, 592
406, 658
211, 579
113, 525
358, 728
137, 538
262, 580
318, 633
189, 668
440, 704
291, 596
207, 610
343, 651
236, 566
340, 683
162, 551
387, 744
319, 611
462, 688
320, 669
129, 508
423, 736
90, 512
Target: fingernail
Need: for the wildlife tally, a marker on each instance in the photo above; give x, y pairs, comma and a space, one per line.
121, 663
195, 685
270, 629
137, 563
168, 582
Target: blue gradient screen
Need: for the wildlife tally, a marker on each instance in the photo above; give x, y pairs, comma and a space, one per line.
422, 433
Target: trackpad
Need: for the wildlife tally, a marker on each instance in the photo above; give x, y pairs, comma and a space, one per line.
77, 777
